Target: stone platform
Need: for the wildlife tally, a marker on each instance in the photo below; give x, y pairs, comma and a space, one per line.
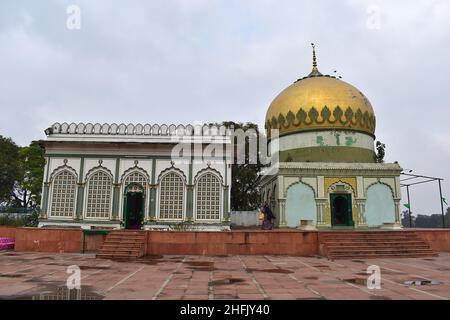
292, 242
43, 276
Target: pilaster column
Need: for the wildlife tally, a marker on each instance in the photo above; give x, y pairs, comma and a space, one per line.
44, 200
361, 205
282, 210
321, 213
226, 211
115, 206
190, 203
80, 192
152, 205
397, 212
80, 199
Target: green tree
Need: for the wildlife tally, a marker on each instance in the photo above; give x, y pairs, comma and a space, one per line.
9, 167
405, 219
245, 193
27, 189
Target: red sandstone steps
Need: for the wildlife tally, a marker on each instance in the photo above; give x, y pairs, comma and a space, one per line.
123, 245
373, 244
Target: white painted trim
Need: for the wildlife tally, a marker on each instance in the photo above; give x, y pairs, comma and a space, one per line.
139, 139
81, 225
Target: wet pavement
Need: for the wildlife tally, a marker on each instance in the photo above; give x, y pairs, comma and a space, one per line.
44, 276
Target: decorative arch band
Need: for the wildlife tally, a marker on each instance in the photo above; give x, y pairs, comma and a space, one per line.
364, 121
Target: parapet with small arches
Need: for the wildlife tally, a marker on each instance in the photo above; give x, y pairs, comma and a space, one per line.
137, 129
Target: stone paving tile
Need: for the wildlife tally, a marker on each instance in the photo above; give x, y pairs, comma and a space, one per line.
224, 278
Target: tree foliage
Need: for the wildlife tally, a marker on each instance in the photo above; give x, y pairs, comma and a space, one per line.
426, 221
27, 189
9, 167
21, 174
245, 193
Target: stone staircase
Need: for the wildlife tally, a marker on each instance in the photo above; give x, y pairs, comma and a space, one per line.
123, 245
373, 244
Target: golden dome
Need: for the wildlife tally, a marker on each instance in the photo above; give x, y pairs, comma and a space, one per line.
319, 102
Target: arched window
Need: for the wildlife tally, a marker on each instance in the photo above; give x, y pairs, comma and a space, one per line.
136, 177
208, 197
99, 195
171, 199
63, 194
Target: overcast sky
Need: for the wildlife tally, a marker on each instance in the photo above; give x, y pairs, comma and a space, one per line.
204, 60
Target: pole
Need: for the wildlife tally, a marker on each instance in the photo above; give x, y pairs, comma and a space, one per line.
442, 204
409, 205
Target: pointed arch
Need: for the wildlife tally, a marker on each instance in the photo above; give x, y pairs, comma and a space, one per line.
63, 192
380, 204
299, 181
208, 195
208, 170
379, 182
347, 185
172, 194
99, 187
300, 204
96, 168
174, 169
61, 168
135, 175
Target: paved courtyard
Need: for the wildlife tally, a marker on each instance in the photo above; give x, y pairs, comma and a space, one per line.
43, 276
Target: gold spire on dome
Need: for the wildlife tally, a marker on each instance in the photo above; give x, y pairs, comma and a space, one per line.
315, 71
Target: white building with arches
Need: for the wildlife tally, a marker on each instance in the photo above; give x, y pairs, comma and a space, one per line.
136, 176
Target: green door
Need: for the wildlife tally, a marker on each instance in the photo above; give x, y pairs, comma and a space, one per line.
134, 210
341, 209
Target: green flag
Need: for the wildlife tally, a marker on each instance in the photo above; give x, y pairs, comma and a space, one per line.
407, 205
445, 201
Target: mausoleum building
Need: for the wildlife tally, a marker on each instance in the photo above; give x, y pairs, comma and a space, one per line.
328, 174
136, 176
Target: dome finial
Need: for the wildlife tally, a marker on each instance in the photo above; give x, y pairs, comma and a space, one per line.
315, 71
314, 56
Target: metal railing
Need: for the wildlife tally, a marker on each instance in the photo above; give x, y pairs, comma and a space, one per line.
18, 210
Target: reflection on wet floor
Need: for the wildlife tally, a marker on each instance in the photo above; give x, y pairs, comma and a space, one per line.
225, 281
39, 276
420, 282
59, 293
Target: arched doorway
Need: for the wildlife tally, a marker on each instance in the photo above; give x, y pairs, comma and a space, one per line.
300, 205
380, 206
341, 209
134, 206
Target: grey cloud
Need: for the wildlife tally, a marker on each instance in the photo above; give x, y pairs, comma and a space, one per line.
183, 61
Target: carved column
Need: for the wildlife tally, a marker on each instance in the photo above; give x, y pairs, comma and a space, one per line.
44, 200
80, 198
361, 205
152, 205
282, 210
226, 211
190, 203
115, 206
321, 213
397, 212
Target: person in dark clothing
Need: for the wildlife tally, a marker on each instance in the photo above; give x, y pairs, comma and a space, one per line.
267, 223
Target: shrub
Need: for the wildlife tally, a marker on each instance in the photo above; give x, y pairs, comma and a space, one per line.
30, 220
